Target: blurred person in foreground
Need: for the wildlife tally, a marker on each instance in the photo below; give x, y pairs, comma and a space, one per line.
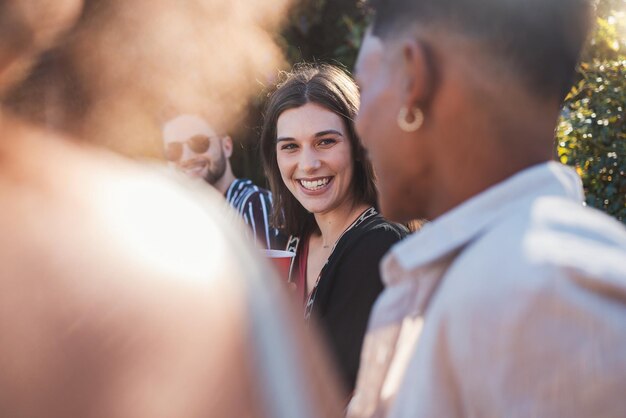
512, 301
325, 192
106, 310
192, 145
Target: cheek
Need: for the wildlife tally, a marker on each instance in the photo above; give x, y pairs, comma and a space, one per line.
213, 154
350, 168
367, 119
284, 167
343, 163
392, 196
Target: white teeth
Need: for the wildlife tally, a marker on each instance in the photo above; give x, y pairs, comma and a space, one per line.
314, 185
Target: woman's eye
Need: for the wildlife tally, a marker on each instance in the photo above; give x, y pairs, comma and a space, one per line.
288, 147
327, 141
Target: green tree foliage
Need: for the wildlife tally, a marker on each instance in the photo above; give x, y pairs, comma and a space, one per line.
591, 135
325, 31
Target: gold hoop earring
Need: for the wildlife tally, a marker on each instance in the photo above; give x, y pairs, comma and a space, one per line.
418, 119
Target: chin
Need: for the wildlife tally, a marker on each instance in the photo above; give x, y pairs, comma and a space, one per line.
394, 209
314, 209
391, 214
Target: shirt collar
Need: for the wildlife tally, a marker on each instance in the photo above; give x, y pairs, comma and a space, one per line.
460, 225
231, 189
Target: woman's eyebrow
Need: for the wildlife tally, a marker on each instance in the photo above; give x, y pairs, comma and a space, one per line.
328, 132
317, 135
284, 138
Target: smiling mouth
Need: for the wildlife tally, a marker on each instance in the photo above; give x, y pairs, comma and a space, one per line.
314, 185
196, 165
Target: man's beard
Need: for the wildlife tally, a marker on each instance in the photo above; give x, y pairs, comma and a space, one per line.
216, 171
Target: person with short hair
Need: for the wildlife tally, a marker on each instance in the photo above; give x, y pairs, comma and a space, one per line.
511, 302
192, 145
325, 196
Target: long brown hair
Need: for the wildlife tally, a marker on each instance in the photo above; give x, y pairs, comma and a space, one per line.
332, 88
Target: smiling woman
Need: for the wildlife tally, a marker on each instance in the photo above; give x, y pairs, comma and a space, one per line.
325, 197
313, 153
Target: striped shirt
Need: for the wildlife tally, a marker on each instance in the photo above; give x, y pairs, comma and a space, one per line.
255, 205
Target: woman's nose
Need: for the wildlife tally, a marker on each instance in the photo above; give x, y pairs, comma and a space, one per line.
309, 161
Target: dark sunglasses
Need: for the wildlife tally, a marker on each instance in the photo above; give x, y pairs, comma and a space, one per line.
198, 144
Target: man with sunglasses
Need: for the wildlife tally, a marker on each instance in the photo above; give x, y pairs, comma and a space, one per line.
194, 147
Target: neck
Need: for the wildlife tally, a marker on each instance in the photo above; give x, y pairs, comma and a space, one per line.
490, 161
226, 180
333, 224
501, 138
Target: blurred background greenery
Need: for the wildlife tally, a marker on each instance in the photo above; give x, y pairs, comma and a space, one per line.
591, 135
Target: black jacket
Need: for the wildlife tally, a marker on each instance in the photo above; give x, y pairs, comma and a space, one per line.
348, 286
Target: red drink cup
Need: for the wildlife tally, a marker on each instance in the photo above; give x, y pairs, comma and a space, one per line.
281, 260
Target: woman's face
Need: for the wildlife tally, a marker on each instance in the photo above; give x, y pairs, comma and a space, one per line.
314, 156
